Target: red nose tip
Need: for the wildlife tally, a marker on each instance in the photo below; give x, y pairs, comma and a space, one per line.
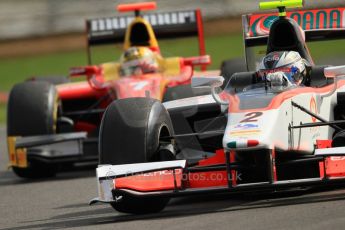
252, 143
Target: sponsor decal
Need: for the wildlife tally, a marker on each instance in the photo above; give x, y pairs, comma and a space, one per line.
246, 126
161, 173
155, 19
245, 133
313, 108
337, 158
274, 57
139, 85
268, 71
334, 18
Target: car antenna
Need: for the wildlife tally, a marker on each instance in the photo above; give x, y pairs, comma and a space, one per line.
281, 6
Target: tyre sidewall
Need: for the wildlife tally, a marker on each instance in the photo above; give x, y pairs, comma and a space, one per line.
130, 129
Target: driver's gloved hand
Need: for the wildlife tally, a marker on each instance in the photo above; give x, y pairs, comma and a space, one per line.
278, 79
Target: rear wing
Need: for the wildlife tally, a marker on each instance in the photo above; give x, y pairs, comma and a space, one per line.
318, 25
175, 24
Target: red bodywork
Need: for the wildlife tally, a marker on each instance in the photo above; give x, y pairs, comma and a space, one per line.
134, 86
330, 168
96, 87
137, 6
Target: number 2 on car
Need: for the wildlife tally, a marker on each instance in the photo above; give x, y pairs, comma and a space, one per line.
251, 117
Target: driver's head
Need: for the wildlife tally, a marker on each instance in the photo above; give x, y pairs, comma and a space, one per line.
287, 63
137, 61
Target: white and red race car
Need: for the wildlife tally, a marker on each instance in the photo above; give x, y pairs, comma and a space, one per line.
250, 137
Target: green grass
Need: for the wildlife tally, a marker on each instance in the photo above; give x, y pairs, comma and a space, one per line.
222, 47
2, 113
328, 49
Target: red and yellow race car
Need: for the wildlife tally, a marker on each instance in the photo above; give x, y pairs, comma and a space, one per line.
52, 122
141, 68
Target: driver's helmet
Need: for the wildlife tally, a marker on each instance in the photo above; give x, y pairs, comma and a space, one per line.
137, 61
284, 68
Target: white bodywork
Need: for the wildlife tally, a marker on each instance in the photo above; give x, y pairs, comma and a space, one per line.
192, 101
210, 81
106, 174
271, 127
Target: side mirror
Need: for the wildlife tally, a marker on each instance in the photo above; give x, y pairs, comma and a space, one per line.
210, 82
84, 70
197, 61
334, 71
207, 82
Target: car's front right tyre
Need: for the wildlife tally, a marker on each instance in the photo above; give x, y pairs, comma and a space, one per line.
32, 110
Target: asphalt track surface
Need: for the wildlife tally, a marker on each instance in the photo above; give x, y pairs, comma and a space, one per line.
62, 203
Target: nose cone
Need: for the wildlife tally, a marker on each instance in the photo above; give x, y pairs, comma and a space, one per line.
253, 130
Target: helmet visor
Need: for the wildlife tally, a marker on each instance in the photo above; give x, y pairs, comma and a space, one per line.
137, 67
292, 73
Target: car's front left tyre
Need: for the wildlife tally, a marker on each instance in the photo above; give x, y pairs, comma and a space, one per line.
131, 131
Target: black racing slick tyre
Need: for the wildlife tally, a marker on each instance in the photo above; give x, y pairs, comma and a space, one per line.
32, 110
183, 91
130, 133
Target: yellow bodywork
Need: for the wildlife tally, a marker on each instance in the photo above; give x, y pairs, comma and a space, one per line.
171, 66
17, 157
111, 71
167, 66
152, 38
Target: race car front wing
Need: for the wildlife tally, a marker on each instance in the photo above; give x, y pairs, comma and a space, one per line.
175, 178
54, 148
